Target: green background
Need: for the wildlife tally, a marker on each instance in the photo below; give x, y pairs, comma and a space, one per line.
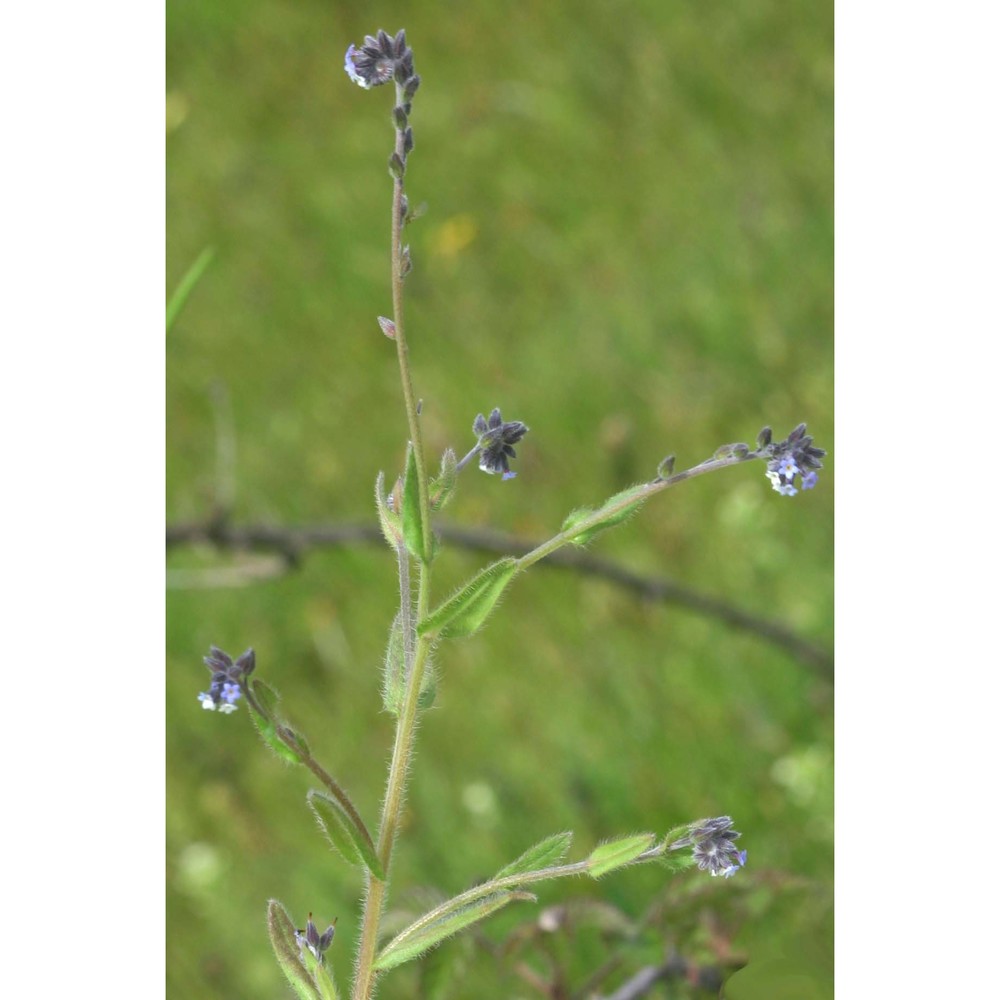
627, 245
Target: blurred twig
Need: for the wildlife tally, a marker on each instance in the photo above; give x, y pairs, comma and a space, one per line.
292, 542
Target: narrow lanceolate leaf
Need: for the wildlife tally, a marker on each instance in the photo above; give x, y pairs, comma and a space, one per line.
468, 609
618, 853
346, 833
286, 949
614, 511
394, 671
267, 725
413, 518
543, 855
389, 520
420, 937
186, 287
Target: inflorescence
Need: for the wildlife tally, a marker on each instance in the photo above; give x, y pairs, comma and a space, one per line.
228, 679
713, 847
381, 59
795, 456
310, 939
495, 444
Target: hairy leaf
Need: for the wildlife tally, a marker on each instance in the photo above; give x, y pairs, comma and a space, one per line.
612, 512
389, 520
413, 518
346, 833
394, 671
286, 949
420, 936
467, 610
442, 487
618, 853
267, 725
543, 855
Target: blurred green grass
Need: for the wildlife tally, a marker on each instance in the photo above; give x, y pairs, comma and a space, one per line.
628, 245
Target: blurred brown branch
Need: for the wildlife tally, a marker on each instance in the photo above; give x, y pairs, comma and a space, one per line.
292, 542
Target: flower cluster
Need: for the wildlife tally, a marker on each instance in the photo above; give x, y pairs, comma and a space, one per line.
713, 847
795, 456
310, 939
496, 439
380, 60
227, 679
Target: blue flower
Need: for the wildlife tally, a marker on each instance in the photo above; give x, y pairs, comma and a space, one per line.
496, 439
795, 456
787, 467
741, 860
380, 60
712, 846
228, 678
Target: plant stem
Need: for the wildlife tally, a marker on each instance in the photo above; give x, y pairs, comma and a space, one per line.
603, 513
416, 653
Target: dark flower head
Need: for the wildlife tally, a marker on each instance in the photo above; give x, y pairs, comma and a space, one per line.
227, 679
496, 439
712, 845
312, 940
380, 60
795, 456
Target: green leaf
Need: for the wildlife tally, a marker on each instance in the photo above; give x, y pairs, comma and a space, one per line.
467, 610
267, 698
543, 855
420, 936
320, 975
267, 725
324, 980
286, 949
677, 861
618, 853
394, 671
614, 511
191, 278
428, 686
442, 487
389, 521
413, 517
346, 833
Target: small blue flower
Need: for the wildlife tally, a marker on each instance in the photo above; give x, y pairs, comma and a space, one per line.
379, 60
741, 860
712, 846
795, 456
351, 69
228, 678
496, 441
787, 467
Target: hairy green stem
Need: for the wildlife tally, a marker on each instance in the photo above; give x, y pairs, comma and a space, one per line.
417, 654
